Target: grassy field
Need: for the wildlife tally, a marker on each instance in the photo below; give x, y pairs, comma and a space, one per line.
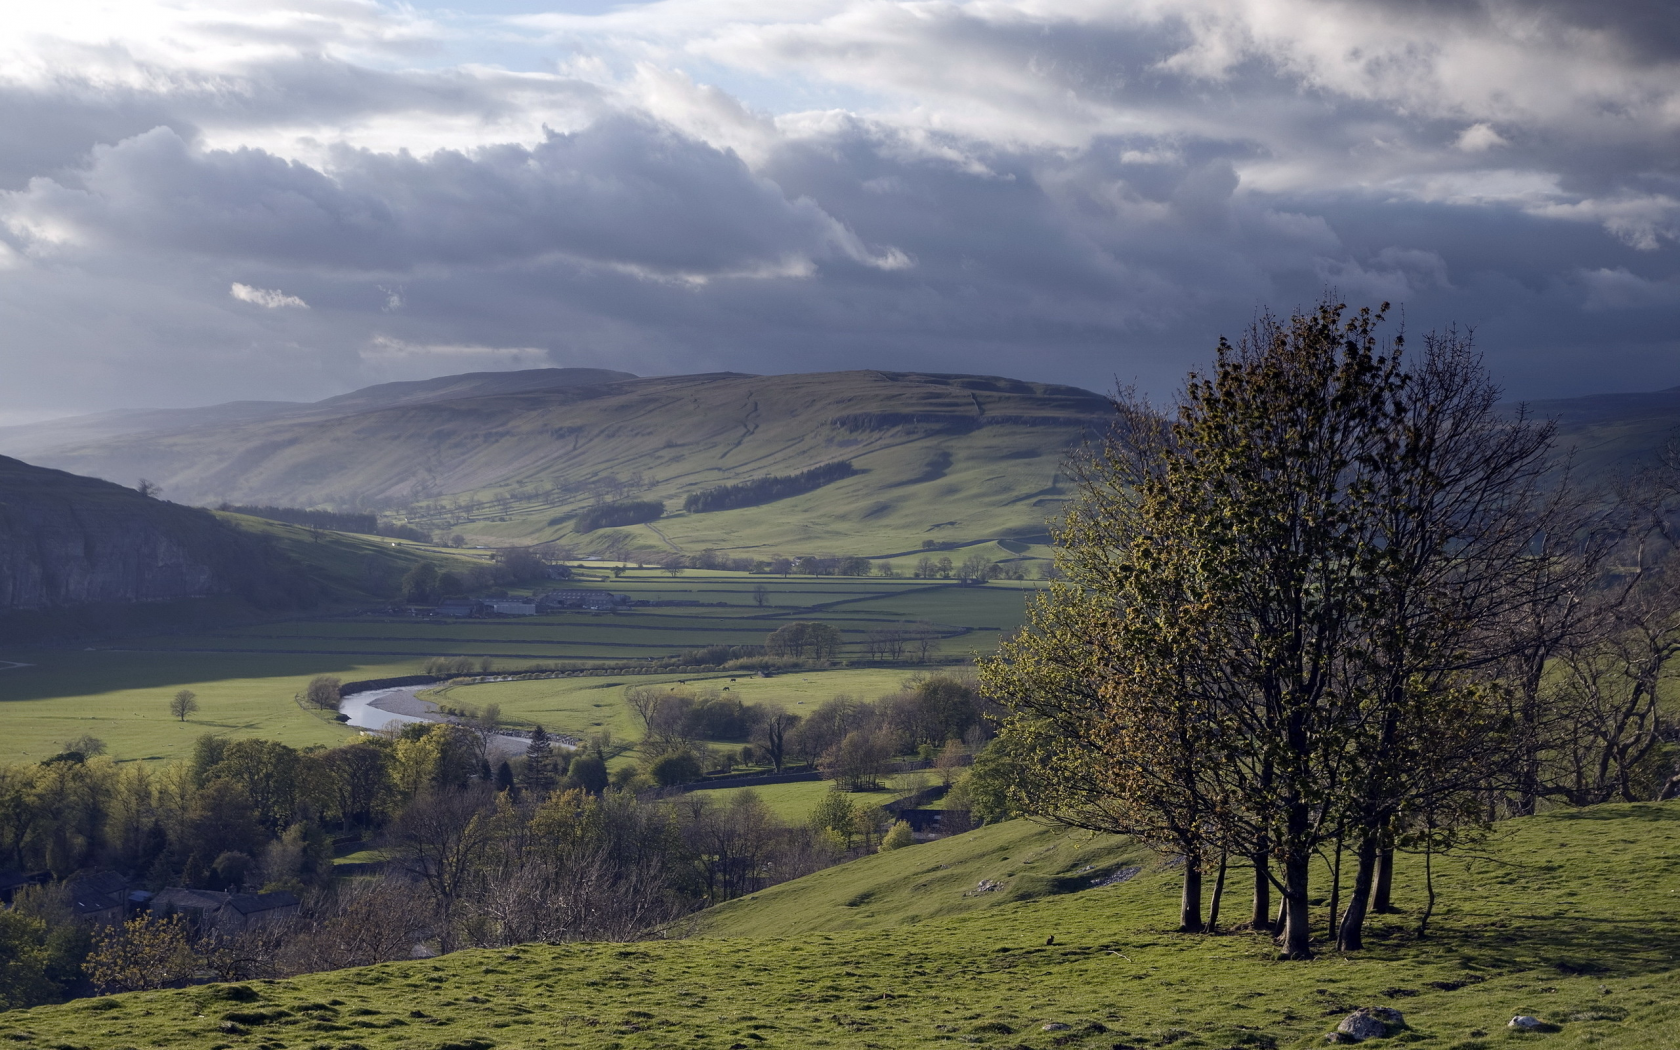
794, 802
1572, 917
581, 706
123, 699
247, 674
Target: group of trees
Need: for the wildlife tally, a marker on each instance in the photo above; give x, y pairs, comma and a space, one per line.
425, 582
1334, 601
853, 742
766, 489
485, 853
618, 515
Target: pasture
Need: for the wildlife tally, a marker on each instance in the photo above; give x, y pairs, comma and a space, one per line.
246, 675
1002, 938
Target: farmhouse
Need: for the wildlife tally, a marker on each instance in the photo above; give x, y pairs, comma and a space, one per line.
218, 912
510, 606
596, 600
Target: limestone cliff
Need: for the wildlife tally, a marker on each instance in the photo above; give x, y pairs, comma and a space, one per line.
71, 540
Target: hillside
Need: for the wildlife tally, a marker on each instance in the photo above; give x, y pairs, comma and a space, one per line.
957, 459
26, 442
69, 540
1569, 917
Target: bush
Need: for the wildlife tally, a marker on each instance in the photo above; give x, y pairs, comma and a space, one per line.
675, 769
898, 837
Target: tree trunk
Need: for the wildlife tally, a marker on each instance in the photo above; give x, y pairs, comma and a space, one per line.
1336, 889
1282, 917
1262, 914
1352, 935
1382, 900
1429, 887
1190, 905
1297, 929
1218, 893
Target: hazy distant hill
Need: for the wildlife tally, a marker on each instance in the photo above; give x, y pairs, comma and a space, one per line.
1609, 432
31, 440
946, 458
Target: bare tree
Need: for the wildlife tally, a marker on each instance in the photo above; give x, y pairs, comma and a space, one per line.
183, 703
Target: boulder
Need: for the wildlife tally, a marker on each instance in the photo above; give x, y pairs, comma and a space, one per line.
1525, 1022
1056, 1026
1368, 1022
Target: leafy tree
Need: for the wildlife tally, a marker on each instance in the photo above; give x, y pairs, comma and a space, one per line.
420, 583
23, 962
140, 955
803, 638
834, 813
183, 703
323, 691
589, 772
675, 769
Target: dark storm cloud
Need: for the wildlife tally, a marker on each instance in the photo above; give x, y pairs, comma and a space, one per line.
302, 197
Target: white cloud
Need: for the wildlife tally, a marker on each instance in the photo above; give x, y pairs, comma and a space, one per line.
1479, 138
266, 297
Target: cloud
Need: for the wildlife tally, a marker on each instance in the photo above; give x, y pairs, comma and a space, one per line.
269, 298
1065, 191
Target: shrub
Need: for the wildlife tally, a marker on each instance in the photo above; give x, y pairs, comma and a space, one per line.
897, 837
675, 769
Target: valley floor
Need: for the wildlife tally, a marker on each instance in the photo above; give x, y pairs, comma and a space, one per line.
1573, 917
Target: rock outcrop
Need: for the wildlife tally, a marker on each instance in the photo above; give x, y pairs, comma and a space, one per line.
70, 540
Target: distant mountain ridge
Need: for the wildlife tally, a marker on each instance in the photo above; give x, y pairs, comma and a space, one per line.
32, 439
517, 456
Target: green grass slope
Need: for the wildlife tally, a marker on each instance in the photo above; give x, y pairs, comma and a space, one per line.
948, 458
1570, 917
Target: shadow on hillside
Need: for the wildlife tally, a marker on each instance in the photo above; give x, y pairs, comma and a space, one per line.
1568, 946
59, 674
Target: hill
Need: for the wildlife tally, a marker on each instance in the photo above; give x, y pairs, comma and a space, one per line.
1610, 432
1569, 917
30, 440
69, 540
958, 459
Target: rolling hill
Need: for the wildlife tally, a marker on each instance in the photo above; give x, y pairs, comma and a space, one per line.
1568, 917
952, 459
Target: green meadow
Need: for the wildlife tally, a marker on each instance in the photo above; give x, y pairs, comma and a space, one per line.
247, 674
1572, 917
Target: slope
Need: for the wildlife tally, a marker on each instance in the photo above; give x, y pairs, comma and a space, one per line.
1569, 917
942, 458
32, 440
70, 540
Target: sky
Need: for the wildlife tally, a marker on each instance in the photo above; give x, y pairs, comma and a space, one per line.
213, 200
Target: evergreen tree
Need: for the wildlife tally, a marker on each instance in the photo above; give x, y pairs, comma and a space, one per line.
538, 775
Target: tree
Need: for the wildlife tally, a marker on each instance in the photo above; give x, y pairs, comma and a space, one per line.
761, 595
770, 732
1278, 598
23, 962
538, 776
140, 955
323, 691
420, 583
183, 703
675, 769
589, 772
803, 638
857, 761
